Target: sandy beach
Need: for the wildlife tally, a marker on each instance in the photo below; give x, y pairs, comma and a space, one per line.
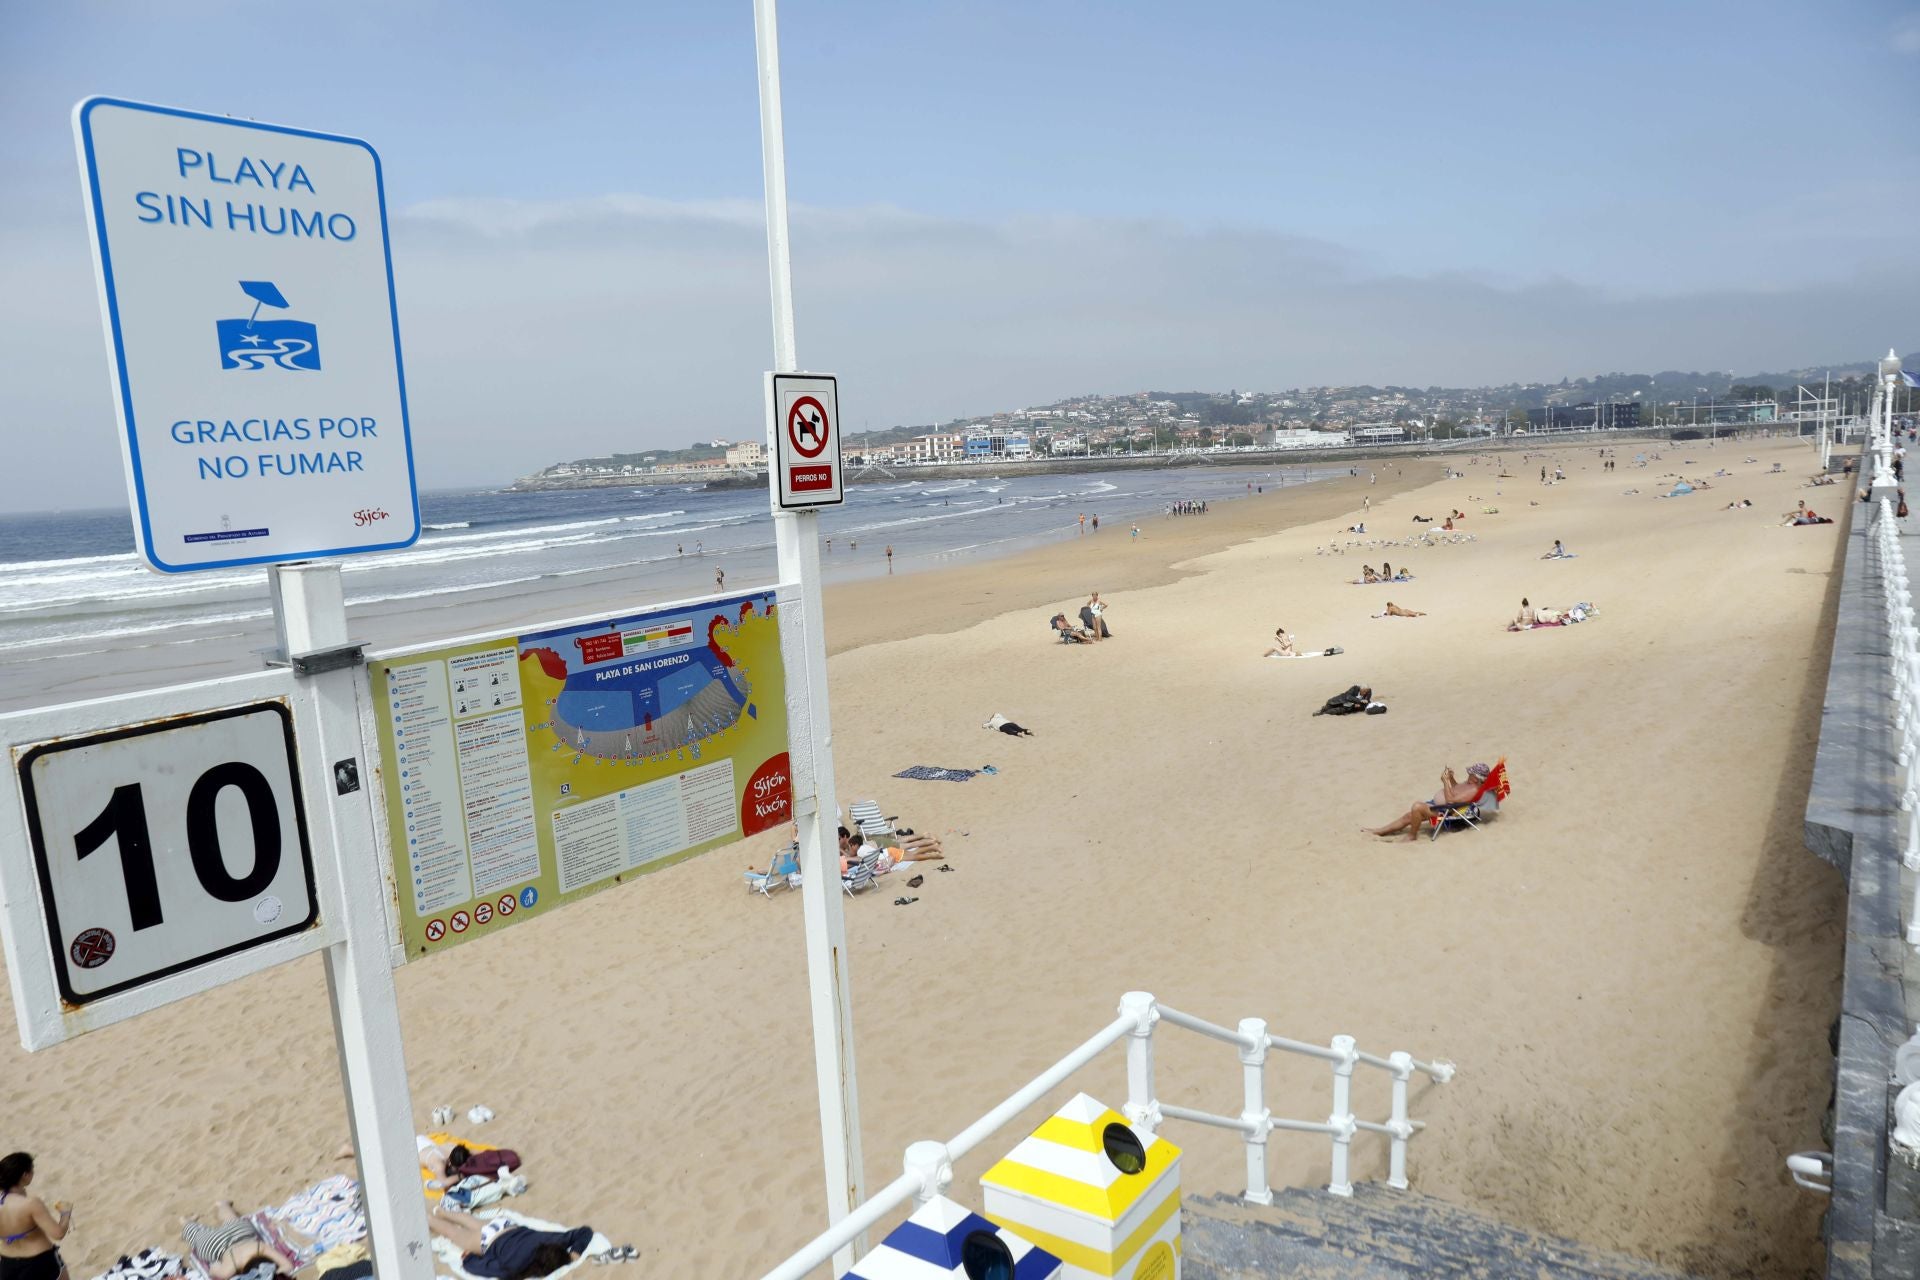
1635, 966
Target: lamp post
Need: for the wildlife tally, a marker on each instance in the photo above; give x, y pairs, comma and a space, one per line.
1882, 429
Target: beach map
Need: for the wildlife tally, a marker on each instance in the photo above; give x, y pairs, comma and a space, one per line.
523, 772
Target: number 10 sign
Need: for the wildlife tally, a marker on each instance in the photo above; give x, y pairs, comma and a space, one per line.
163, 846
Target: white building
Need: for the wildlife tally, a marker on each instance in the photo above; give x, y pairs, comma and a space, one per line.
750, 453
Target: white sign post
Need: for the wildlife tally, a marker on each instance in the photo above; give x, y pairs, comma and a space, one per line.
803, 412
246, 287
798, 544
247, 292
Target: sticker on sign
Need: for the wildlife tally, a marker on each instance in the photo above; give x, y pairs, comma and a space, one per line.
803, 411
247, 293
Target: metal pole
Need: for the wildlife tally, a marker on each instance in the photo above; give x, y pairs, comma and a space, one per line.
310, 617
797, 540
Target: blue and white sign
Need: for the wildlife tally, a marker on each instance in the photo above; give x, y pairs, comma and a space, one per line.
246, 285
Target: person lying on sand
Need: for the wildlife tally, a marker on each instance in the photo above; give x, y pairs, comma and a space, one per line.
912, 848
454, 1165
1452, 791
499, 1250
232, 1245
1395, 611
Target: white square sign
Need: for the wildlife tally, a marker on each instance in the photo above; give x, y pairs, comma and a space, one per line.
804, 427
246, 287
166, 845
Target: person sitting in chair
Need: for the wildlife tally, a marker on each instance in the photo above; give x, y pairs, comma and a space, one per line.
1068, 632
1453, 791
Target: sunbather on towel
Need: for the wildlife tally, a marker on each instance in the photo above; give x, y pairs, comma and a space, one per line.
1282, 644
447, 1166
1525, 618
1452, 791
501, 1250
1395, 611
910, 849
232, 1245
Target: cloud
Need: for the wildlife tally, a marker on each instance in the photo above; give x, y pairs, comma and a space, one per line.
1905, 34
537, 331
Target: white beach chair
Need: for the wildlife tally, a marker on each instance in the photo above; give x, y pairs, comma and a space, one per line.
860, 875
868, 820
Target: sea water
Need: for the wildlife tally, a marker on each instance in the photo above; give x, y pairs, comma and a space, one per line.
71, 585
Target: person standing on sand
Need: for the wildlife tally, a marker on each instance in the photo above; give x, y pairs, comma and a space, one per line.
1083, 522
1096, 524
889, 557
29, 1231
719, 578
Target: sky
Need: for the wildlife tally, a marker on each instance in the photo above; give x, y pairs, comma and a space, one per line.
999, 204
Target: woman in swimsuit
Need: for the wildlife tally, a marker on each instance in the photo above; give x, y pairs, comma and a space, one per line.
29, 1230
232, 1245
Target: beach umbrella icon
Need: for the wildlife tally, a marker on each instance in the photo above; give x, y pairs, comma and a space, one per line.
263, 293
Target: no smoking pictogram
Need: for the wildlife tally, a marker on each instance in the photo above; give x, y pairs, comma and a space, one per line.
508, 903
436, 930
808, 427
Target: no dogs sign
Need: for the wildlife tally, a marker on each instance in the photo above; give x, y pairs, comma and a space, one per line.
804, 413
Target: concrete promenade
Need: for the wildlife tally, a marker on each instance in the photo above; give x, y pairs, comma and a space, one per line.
1853, 821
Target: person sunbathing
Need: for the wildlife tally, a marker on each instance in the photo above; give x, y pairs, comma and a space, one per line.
1367, 574
1525, 618
1453, 791
1558, 553
1068, 632
1282, 644
1395, 611
232, 1245
502, 1250
450, 1166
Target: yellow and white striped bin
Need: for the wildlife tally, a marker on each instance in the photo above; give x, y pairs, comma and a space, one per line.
1095, 1192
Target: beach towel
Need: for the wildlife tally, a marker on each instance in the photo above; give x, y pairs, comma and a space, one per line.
448, 1254
329, 1213
148, 1264
933, 773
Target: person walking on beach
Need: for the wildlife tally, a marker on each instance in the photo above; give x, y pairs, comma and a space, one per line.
679, 549
30, 1232
1083, 522
889, 557
719, 578
1096, 524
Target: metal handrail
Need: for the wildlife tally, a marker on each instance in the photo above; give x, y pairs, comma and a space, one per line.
929, 1165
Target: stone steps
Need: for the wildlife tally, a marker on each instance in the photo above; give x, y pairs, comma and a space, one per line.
1382, 1234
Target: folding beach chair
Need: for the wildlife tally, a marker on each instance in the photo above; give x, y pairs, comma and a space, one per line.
868, 820
783, 873
860, 875
1472, 812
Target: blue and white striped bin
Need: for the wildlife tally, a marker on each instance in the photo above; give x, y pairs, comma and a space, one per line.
946, 1241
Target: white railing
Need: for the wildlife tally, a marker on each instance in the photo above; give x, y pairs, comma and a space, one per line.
1903, 640
929, 1165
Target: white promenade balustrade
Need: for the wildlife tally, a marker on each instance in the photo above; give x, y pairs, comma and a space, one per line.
929, 1165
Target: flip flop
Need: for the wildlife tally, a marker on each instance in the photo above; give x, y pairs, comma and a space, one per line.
943, 867
904, 902
916, 882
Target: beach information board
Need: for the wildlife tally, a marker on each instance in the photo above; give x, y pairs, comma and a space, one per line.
524, 772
